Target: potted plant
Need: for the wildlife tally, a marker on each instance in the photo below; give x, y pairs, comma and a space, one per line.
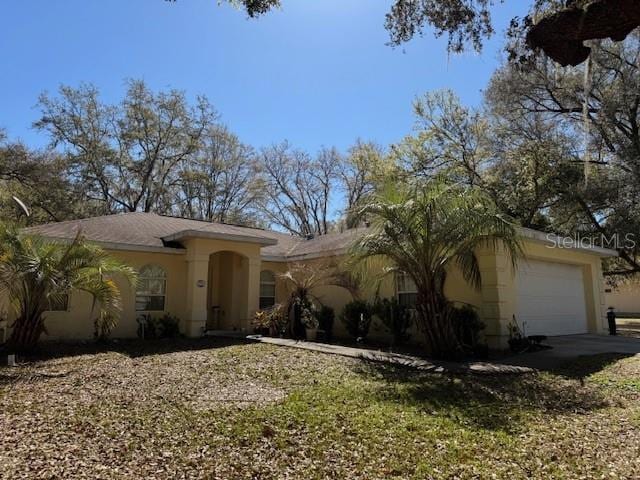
301, 279
518, 342
276, 320
261, 323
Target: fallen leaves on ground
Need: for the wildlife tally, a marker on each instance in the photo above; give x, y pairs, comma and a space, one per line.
214, 409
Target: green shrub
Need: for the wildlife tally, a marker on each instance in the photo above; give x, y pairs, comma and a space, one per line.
395, 317
326, 317
167, 326
467, 325
270, 321
356, 317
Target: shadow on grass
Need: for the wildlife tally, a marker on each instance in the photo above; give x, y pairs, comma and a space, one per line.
503, 402
587, 365
132, 348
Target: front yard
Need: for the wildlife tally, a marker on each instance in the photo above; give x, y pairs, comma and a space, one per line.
629, 327
214, 409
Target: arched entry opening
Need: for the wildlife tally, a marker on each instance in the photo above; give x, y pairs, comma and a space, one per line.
227, 293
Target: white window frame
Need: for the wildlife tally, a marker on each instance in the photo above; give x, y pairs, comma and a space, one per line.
67, 305
164, 289
271, 284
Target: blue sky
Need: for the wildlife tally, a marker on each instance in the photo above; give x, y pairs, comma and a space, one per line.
316, 73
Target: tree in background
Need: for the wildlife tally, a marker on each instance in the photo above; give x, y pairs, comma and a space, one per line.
297, 188
359, 173
128, 155
448, 136
600, 184
156, 152
38, 178
219, 183
518, 161
525, 149
423, 228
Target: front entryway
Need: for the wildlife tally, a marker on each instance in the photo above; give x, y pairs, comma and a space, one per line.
227, 294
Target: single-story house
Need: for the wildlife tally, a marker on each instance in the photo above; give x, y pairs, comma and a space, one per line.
624, 298
215, 276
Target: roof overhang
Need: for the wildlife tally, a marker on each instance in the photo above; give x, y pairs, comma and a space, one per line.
126, 247
548, 239
185, 234
566, 243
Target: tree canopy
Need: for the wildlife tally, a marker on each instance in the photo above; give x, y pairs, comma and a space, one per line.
557, 27
530, 149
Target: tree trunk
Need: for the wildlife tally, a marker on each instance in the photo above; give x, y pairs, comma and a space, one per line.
25, 334
296, 326
434, 319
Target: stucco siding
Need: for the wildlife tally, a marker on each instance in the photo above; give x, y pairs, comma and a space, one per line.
500, 292
197, 280
625, 298
77, 322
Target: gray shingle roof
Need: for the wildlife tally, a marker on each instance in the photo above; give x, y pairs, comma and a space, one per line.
145, 230
326, 244
149, 230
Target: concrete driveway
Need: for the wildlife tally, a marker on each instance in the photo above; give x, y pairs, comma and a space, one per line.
569, 347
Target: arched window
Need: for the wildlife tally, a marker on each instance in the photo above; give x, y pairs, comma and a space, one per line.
152, 289
406, 290
267, 289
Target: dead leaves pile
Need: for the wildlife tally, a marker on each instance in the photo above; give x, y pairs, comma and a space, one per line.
256, 411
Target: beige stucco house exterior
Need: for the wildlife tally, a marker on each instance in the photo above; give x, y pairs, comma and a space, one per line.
624, 298
215, 276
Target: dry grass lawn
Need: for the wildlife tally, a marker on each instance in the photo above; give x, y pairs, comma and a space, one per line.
213, 409
629, 327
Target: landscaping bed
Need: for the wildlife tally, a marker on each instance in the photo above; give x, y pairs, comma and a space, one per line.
220, 409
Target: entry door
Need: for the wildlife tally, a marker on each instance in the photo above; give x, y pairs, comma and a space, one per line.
551, 298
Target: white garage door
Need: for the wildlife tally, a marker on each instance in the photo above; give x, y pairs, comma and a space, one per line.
551, 298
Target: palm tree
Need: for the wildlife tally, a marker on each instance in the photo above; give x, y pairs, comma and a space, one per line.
301, 279
422, 229
34, 273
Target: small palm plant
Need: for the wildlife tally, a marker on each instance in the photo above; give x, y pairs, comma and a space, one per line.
35, 273
422, 229
301, 279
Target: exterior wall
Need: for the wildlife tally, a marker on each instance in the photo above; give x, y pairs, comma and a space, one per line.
456, 290
185, 298
195, 280
199, 253
624, 298
496, 301
77, 322
278, 268
499, 290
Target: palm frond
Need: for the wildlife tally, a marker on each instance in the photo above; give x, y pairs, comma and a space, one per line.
35, 271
